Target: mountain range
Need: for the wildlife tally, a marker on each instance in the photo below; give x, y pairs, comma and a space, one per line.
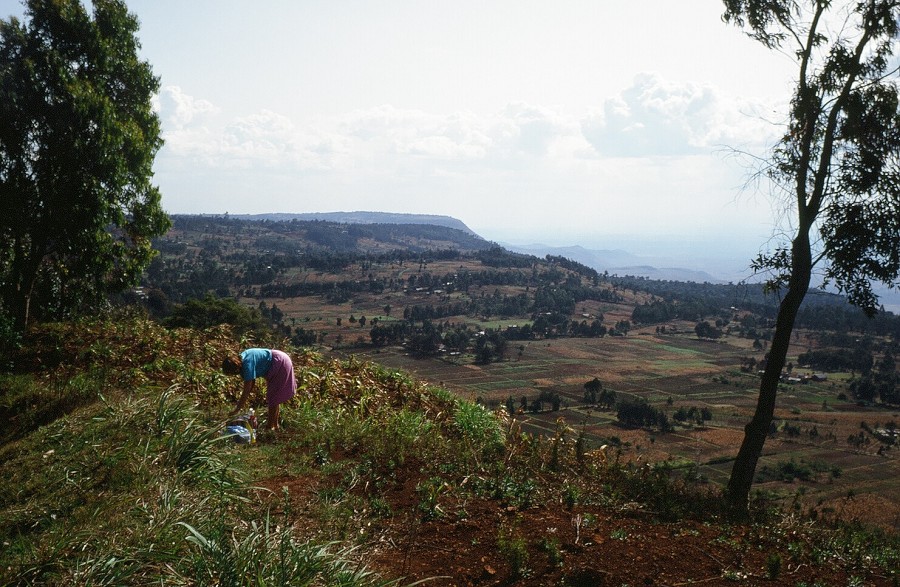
612, 261
618, 262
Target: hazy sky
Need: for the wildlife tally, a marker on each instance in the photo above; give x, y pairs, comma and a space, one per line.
563, 122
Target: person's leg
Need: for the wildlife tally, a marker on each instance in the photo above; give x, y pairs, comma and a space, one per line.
281, 385
272, 421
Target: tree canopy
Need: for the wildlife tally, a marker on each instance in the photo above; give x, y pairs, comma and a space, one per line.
837, 164
78, 136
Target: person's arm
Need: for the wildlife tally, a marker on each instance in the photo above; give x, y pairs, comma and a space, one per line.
245, 395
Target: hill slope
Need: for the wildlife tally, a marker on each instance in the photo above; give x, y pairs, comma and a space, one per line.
112, 471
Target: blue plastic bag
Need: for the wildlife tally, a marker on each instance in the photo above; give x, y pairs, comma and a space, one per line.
241, 430
240, 434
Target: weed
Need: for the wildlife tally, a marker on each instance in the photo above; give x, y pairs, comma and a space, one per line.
271, 556
170, 408
190, 447
479, 429
619, 534
571, 495
773, 566
517, 492
380, 507
514, 550
551, 546
429, 492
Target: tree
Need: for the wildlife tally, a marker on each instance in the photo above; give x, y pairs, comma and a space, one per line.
78, 136
211, 311
591, 389
863, 388
607, 398
706, 330
886, 378
837, 162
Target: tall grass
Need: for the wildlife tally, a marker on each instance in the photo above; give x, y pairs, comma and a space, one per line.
140, 487
265, 554
190, 445
481, 432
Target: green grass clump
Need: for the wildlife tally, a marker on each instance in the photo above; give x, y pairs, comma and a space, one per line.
96, 496
265, 554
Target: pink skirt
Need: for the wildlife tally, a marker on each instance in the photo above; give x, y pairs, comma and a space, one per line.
280, 382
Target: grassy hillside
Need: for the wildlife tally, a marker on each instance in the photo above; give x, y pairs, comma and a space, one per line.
113, 471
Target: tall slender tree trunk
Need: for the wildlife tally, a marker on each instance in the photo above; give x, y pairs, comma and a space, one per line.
17, 291
755, 433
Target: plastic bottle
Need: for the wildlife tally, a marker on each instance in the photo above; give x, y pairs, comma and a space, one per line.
251, 420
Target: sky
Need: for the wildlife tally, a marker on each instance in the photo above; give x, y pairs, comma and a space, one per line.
569, 122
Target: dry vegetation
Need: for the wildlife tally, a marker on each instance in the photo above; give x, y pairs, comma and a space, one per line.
670, 370
115, 474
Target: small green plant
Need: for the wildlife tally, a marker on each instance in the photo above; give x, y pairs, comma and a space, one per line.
619, 534
514, 550
380, 507
515, 491
480, 430
429, 492
571, 496
551, 546
773, 566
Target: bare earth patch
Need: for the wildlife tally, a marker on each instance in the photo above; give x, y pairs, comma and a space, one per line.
583, 546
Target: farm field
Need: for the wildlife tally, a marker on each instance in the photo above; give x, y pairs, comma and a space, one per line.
672, 371
823, 450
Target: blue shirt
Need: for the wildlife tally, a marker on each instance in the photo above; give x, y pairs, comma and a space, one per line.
255, 363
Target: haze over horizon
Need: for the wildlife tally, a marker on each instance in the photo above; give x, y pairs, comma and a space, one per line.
576, 123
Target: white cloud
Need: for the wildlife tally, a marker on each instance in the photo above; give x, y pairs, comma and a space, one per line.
530, 130
518, 130
648, 161
656, 118
178, 110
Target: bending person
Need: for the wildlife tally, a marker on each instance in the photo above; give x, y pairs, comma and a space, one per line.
278, 371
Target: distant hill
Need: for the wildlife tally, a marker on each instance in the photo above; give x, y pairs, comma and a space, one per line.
288, 233
360, 217
622, 263
617, 262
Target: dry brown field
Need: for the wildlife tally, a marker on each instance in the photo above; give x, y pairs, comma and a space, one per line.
645, 367
669, 370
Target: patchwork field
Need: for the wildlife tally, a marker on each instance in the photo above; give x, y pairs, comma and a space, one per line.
672, 371
823, 451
